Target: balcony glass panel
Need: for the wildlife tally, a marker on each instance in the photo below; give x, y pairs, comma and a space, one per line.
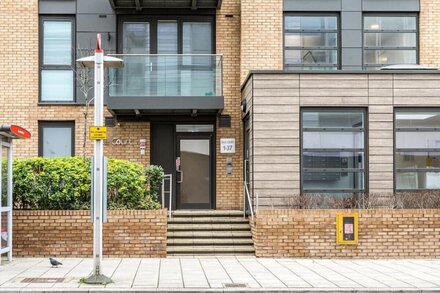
167, 75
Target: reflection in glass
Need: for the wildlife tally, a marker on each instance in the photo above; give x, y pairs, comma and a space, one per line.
310, 22
56, 85
392, 40
333, 140
194, 128
311, 57
390, 57
333, 160
57, 142
417, 180
411, 119
4, 177
311, 39
195, 165
333, 119
57, 42
4, 232
417, 140
333, 181
390, 23
417, 160
136, 38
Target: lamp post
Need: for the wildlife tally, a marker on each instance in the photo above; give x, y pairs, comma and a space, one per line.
98, 61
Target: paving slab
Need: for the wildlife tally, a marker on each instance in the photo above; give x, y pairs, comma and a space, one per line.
226, 274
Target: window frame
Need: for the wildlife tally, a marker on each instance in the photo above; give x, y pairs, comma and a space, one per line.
154, 19
389, 14
42, 66
396, 150
363, 130
55, 124
338, 46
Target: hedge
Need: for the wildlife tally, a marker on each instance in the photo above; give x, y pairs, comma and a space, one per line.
65, 183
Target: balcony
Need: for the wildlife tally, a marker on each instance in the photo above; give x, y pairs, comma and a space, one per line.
166, 83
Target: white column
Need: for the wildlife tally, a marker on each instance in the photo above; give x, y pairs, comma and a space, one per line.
9, 174
98, 155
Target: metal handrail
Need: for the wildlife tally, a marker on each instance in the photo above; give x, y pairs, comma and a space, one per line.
170, 191
246, 194
248, 197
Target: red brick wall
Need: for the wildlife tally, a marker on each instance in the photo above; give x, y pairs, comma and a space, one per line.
383, 233
127, 233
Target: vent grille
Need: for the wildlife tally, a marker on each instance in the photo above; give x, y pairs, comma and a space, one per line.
43, 280
235, 285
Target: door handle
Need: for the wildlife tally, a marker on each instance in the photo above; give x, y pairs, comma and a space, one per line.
181, 176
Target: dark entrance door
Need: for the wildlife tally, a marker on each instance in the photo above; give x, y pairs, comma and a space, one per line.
186, 151
194, 166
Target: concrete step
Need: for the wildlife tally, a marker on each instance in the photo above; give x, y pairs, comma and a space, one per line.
208, 227
209, 234
208, 220
207, 241
210, 249
207, 213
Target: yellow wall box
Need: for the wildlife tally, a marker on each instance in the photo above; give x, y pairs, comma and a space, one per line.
347, 229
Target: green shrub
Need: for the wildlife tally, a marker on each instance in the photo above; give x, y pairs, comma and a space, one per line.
64, 184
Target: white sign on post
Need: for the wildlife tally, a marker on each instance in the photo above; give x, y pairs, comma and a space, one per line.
227, 145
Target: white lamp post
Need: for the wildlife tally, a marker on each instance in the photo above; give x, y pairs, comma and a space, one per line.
98, 61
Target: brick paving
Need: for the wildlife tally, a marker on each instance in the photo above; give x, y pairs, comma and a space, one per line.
224, 274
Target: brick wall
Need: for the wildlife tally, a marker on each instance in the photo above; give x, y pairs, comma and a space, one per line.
261, 35
70, 233
429, 25
312, 233
228, 188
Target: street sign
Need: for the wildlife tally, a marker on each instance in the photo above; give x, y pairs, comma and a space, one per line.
98, 132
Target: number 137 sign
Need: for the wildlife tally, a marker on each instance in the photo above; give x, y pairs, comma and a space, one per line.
227, 145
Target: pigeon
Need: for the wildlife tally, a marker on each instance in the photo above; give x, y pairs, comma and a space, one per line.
54, 262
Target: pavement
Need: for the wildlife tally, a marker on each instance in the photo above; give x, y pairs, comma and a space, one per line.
224, 274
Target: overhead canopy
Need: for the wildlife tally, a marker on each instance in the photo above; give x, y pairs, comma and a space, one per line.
139, 5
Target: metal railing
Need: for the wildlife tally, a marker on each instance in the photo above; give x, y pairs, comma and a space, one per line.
170, 192
158, 75
246, 194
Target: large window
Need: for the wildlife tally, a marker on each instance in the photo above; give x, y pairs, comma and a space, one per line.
57, 60
333, 151
389, 40
56, 139
311, 42
417, 149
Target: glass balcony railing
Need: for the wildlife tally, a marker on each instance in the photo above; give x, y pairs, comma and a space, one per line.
167, 75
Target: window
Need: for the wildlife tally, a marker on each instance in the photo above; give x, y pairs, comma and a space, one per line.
389, 39
311, 42
417, 149
333, 151
57, 60
56, 139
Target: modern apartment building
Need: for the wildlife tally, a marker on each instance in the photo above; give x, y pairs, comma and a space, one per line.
292, 88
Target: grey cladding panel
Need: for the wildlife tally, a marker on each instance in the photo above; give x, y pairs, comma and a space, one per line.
351, 20
351, 5
351, 38
57, 6
94, 6
95, 23
352, 56
309, 5
391, 5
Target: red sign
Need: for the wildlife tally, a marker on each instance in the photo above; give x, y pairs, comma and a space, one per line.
20, 131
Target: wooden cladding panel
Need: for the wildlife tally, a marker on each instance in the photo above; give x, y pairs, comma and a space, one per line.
278, 98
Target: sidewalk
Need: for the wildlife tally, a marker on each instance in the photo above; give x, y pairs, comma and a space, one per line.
225, 274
